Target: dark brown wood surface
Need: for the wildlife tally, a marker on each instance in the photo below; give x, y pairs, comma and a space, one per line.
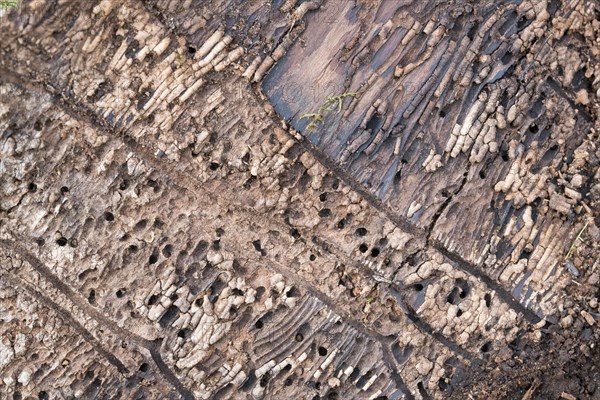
170, 227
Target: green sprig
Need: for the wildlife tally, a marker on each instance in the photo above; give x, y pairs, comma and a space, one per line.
330, 104
577, 238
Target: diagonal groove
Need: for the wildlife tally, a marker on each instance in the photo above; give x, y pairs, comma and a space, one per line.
426, 328
506, 296
13, 247
426, 237
457, 261
81, 112
405, 225
557, 87
446, 203
395, 290
78, 111
167, 373
278, 267
69, 319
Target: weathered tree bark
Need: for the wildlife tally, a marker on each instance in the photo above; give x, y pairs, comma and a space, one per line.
320, 199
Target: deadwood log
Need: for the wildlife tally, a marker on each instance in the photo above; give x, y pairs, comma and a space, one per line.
362, 199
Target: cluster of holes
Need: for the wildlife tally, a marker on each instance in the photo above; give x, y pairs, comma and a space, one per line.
460, 291
154, 185
363, 248
452, 296
62, 241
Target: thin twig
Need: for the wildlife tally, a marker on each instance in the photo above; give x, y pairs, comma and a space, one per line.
578, 237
